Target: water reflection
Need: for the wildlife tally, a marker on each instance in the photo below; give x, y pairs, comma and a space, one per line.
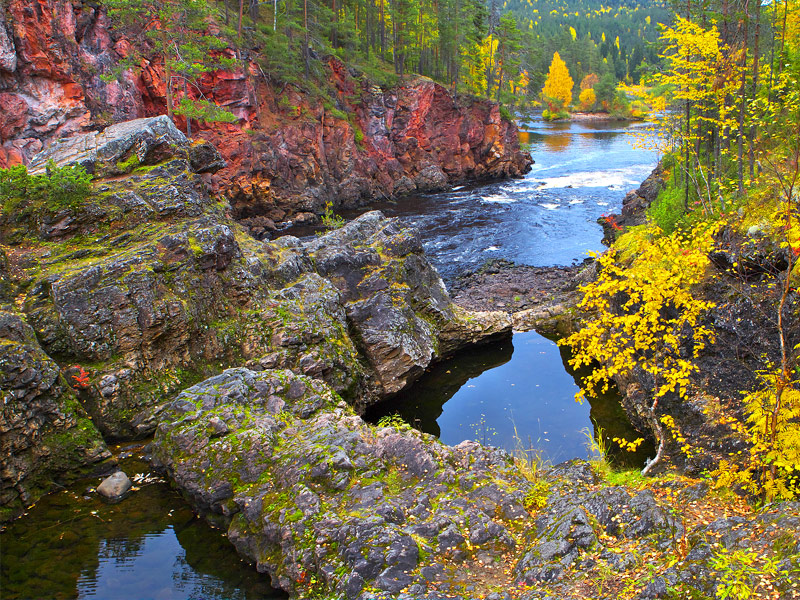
150, 546
518, 391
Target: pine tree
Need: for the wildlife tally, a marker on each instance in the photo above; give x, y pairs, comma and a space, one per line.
173, 31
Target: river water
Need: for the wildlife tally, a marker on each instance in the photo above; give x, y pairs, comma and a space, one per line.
582, 171
517, 393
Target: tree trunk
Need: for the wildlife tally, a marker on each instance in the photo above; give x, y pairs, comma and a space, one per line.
743, 101
305, 38
753, 131
241, 13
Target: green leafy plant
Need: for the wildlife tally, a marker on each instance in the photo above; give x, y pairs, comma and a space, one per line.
330, 219
394, 421
58, 188
739, 572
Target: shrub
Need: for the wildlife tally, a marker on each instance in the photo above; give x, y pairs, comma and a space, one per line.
57, 189
667, 210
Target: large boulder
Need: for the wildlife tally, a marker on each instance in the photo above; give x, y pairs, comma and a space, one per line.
322, 501
122, 147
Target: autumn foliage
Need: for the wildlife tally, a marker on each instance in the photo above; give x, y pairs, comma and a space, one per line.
557, 90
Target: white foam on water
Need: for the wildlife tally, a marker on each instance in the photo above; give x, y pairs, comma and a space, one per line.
491, 249
612, 179
602, 203
549, 206
576, 201
498, 199
459, 187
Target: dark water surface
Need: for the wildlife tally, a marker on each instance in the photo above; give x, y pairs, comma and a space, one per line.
520, 393
150, 546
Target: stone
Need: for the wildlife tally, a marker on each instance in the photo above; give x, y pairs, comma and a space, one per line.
115, 486
304, 522
118, 149
46, 434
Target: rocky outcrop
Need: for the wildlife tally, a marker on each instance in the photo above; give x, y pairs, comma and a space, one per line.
326, 504
150, 286
322, 501
44, 432
634, 206
286, 155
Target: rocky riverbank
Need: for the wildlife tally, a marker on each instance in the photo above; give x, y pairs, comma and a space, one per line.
149, 285
146, 307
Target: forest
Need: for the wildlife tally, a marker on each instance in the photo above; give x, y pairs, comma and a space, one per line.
498, 51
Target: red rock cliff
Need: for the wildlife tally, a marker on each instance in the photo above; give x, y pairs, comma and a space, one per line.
286, 154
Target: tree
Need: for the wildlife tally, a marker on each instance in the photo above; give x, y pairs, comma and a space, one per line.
557, 90
508, 47
173, 30
587, 99
644, 320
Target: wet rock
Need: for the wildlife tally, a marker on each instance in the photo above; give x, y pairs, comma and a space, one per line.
46, 435
115, 486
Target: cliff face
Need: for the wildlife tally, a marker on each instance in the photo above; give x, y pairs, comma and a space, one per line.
286, 154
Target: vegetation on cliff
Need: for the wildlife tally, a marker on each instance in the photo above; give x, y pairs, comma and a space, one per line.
724, 235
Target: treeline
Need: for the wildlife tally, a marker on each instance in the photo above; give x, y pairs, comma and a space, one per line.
500, 51
733, 68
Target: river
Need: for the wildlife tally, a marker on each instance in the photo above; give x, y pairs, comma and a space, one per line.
515, 394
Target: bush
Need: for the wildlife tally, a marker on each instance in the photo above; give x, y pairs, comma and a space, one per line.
667, 210
57, 189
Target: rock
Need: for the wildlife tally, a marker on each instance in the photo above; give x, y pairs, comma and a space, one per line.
205, 158
59, 66
115, 486
395, 300
46, 435
153, 282
120, 148
577, 513
273, 482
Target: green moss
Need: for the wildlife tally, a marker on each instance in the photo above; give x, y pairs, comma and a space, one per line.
129, 164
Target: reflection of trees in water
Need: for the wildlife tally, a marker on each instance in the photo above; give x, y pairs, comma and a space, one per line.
557, 141
57, 550
422, 404
210, 568
606, 413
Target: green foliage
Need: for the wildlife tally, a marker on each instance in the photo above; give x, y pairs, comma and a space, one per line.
394, 421
330, 219
203, 110
739, 572
667, 209
59, 188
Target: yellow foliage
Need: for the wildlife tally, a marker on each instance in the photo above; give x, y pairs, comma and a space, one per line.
644, 314
772, 465
558, 86
587, 99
